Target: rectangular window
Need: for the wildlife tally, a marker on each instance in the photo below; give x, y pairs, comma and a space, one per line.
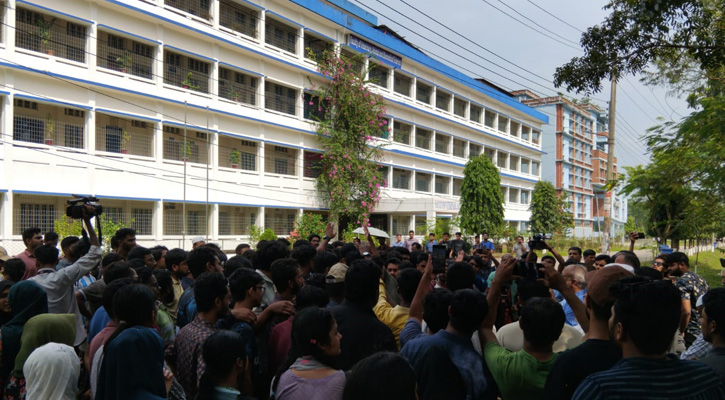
443, 100
422, 182
378, 75
354, 60
490, 119
441, 184
49, 34
515, 128
459, 107
423, 92
142, 220
459, 148
535, 135
121, 135
124, 55
490, 153
422, 138
312, 109
475, 113
315, 46
280, 160
525, 133
37, 215
186, 72
199, 8
239, 18
401, 224
312, 164
457, 183
502, 159
442, 143
280, 35
503, 124
237, 86
401, 179
279, 98
236, 153
513, 195
28, 129
401, 132
402, 83
525, 197
474, 150
525, 165
514, 163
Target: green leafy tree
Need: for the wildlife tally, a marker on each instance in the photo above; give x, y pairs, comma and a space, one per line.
350, 118
65, 226
268, 234
308, 224
549, 213
481, 197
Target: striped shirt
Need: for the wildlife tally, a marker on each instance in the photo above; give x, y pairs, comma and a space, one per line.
643, 378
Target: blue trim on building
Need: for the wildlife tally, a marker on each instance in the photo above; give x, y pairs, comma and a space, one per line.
356, 11
44, 100
321, 34
101, 197
249, 3
180, 50
47, 193
406, 51
129, 34
89, 22
133, 116
222, 63
4, 92
282, 17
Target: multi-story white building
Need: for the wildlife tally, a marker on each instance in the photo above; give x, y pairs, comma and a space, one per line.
195, 112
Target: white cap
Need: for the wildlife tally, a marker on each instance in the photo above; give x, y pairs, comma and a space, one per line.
625, 266
699, 301
197, 239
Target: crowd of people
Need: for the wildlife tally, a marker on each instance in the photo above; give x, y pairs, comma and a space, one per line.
324, 319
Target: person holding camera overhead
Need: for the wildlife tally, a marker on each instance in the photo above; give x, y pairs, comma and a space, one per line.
59, 284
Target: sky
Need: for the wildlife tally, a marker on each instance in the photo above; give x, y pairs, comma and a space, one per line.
469, 32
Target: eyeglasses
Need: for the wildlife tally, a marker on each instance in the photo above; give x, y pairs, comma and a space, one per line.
261, 288
657, 263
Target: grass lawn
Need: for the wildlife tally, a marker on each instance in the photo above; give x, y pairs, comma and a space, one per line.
708, 266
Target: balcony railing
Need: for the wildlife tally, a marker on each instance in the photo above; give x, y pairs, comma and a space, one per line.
236, 220
199, 8
238, 18
51, 35
186, 72
237, 154
280, 98
125, 55
280, 160
119, 135
237, 86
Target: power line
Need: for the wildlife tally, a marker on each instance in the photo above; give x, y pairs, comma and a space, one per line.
554, 15
535, 23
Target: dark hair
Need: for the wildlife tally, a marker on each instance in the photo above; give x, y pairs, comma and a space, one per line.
435, 309
134, 306
460, 275
570, 261
14, 268
139, 252
109, 291
310, 328
208, 287
220, 351
50, 235
234, 263
144, 274
381, 376
198, 258
218, 251
109, 259
284, 241
123, 232
311, 296
284, 271
416, 246
69, 241
300, 242
395, 253
414, 256
649, 312
361, 282
29, 233
607, 259
175, 257
158, 251
589, 252
118, 270
114, 242
352, 256
525, 256
549, 257
577, 249
714, 303
46, 254
324, 260
468, 309
392, 261
403, 251
601, 312
405, 265
241, 280
304, 254
679, 257
136, 263
408, 280
476, 260
166, 285
629, 257
446, 233
242, 246
268, 251
542, 320
649, 273
312, 236
527, 288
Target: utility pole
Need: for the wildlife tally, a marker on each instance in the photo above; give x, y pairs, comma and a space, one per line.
610, 164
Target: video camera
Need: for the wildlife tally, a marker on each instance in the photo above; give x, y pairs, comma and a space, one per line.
75, 207
537, 241
528, 270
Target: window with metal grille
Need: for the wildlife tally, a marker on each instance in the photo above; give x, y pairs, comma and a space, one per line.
422, 138
503, 124
401, 179
401, 132
459, 148
36, 215
490, 119
312, 164
239, 18
525, 165
423, 92
402, 83
142, 220
279, 98
502, 161
47, 33
315, 46
441, 143
459, 107
28, 129
475, 113
280, 35
443, 100
441, 184
457, 183
378, 75
186, 72
474, 150
422, 182
237, 86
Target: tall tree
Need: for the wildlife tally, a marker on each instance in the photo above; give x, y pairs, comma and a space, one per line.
481, 197
549, 213
349, 120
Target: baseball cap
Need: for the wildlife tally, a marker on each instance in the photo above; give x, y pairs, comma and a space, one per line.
599, 280
337, 273
197, 239
4, 254
699, 301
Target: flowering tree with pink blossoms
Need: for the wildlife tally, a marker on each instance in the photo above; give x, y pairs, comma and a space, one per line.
350, 119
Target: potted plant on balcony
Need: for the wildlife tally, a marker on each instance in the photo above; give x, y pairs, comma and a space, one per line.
188, 82
125, 138
45, 33
234, 94
124, 61
51, 130
234, 158
187, 151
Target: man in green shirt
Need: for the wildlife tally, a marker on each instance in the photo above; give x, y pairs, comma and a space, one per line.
521, 375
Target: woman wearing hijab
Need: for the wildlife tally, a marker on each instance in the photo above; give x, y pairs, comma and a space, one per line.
26, 300
52, 372
39, 330
5, 312
133, 357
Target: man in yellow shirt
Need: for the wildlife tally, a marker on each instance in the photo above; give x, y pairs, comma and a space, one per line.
395, 316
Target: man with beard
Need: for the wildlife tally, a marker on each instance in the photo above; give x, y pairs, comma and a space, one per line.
691, 286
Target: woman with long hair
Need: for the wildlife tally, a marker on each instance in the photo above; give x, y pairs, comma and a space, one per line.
227, 369
381, 376
309, 373
5, 312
